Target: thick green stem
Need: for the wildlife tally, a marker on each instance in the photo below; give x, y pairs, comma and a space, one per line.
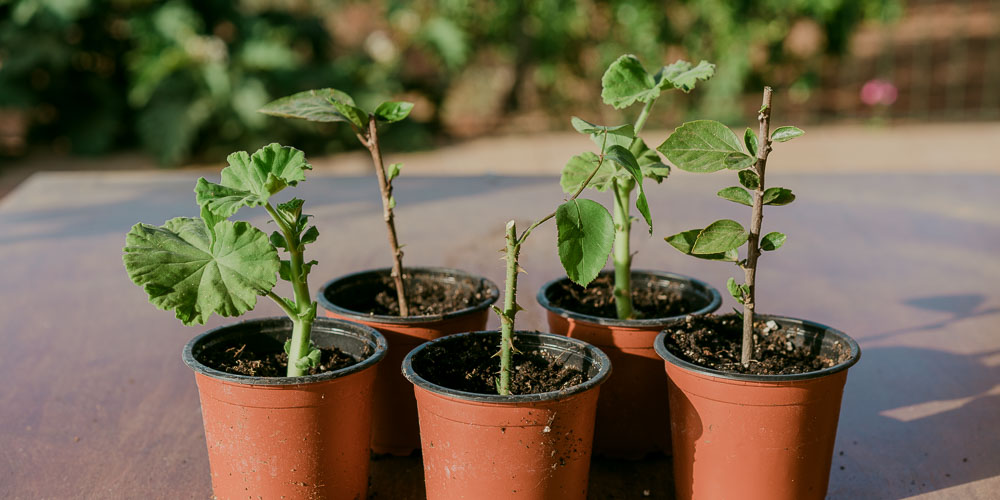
622, 253
509, 309
304, 314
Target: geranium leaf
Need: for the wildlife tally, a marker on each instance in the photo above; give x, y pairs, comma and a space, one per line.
252, 180
181, 269
682, 76
626, 82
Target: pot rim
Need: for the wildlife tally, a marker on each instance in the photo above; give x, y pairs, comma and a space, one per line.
661, 349
590, 350
714, 302
334, 326
491, 287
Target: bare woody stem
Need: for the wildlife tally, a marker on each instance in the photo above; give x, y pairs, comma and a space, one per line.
757, 217
370, 140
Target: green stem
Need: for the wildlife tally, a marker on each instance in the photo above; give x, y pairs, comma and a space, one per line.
509, 309
640, 122
622, 254
302, 318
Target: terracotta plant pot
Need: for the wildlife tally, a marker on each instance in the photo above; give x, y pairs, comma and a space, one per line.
757, 436
534, 446
289, 437
394, 425
635, 394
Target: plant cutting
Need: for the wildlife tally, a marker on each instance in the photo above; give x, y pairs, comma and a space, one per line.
755, 398
290, 396
624, 310
409, 306
520, 426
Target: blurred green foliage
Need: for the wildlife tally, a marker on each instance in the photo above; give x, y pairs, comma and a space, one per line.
185, 78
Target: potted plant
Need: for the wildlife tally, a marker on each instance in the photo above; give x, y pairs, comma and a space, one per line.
623, 310
522, 429
409, 306
759, 424
285, 401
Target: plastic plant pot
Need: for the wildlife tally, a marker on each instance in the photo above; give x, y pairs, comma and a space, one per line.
394, 426
757, 436
631, 414
526, 447
289, 437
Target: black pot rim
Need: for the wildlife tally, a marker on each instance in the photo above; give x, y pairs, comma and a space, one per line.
325, 303
337, 327
593, 351
661, 348
713, 304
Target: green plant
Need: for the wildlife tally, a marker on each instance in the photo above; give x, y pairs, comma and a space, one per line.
209, 264
624, 84
331, 105
585, 232
709, 146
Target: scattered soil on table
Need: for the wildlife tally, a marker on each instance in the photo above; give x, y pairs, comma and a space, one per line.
265, 357
468, 364
715, 342
426, 296
650, 299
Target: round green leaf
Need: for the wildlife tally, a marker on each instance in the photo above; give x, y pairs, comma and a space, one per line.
180, 268
579, 167
772, 241
586, 234
626, 82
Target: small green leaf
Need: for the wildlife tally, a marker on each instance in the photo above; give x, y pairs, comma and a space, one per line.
736, 194
626, 82
703, 146
285, 269
719, 237
749, 179
352, 113
778, 196
750, 141
585, 237
684, 241
393, 171
738, 161
392, 202
650, 164
785, 134
180, 268
393, 111
278, 240
772, 241
312, 105
579, 167
624, 158
309, 236
682, 76
288, 346
621, 135
735, 290
292, 208
315, 356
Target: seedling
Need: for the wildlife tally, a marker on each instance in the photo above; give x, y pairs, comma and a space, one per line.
709, 146
209, 264
331, 105
626, 83
585, 233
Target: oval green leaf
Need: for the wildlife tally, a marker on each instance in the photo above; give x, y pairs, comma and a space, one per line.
626, 82
772, 241
784, 134
749, 179
585, 236
704, 146
312, 105
750, 141
579, 167
393, 111
719, 237
778, 196
736, 194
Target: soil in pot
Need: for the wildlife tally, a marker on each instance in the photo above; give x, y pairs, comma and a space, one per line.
469, 365
426, 295
715, 342
649, 298
263, 356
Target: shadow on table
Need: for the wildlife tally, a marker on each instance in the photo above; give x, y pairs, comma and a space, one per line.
930, 413
154, 200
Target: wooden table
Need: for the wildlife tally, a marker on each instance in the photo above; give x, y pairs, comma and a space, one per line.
97, 403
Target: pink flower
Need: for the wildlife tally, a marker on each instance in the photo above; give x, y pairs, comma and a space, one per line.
878, 91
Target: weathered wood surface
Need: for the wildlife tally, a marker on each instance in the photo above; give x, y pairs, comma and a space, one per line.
97, 403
